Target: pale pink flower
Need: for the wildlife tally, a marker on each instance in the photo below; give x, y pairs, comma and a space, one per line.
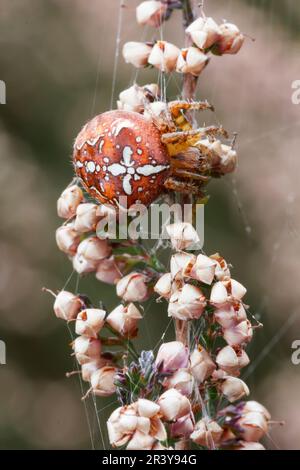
222, 270
202, 365
133, 287
164, 56
204, 32
84, 265
68, 201
183, 427
136, 53
163, 287
172, 356
238, 334
151, 13
182, 381
187, 303
102, 381
207, 433
124, 320
67, 239
249, 446
191, 60
230, 314
86, 218
203, 269
233, 388
89, 322
94, 249
67, 305
231, 361
253, 426
173, 405
181, 264
87, 349
182, 235
108, 271
231, 39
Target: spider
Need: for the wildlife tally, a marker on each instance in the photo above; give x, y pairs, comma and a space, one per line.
127, 154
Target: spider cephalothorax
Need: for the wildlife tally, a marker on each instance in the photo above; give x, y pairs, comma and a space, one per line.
127, 154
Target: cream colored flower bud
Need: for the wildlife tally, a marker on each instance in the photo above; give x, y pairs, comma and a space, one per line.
183, 427
173, 405
231, 39
121, 424
202, 365
187, 303
249, 446
238, 334
102, 381
253, 426
255, 407
86, 349
204, 32
182, 235
94, 249
84, 265
231, 361
151, 13
133, 288
88, 368
234, 388
86, 218
67, 239
68, 202
136, 53
124, 320
204, 269
182, 381
181, 264
222, 270
108, 271
164, 56
172, 356
218, 295
67, 305
207, 433
147, 408
230, 314
163, 287
89, 322
236, 289
191, 60
135, 97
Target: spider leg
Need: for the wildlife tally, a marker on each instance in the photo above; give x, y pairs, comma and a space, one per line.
178, 107
183, 186
179, 141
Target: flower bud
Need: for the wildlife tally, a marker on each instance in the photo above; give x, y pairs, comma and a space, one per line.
94, 249
204, 32
207, 433
89, 322
83, 265
121, 424
218, 295
182, 235
252, 426
230, 314
173, 405
68, 201
135, 98
88, 368
204, 269
222, 271
124, 320
67, 305
67, 239
183, 427
164, 56
172, 356
108, 271
234, 388
163, 287
202, 366
86, 349
151, 13
133, 288
86, 218
182, 381
231, 40
147, 408
231, 361
254, 406
191, 60
102, 381
136, 53
238, 334
187, 303
181, 264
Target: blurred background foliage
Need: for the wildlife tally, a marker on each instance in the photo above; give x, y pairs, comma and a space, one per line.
57, 61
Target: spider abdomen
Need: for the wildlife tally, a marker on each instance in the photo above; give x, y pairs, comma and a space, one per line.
120, 154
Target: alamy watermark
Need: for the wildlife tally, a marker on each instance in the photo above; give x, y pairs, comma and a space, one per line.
2, 92
149, 223
296, 94
2, 352
295, 358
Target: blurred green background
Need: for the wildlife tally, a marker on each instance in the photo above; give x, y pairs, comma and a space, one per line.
57, 59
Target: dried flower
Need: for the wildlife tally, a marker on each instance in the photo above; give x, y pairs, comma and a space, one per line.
133, 287
253, 426
86, 349
231, 361
151, 13
136, 53
86, 218
163, 287
94, 249
222, 270
68, 201
164, 56
187, 303
204, 32
108, 271
173, 405
172, 356
231, 40
181, 264
230, 314
124, 320
182, 381
182, 235
191, 60
102, 381
234, 388
67, 305
88, 368
202, 366
203, 269
238, 334
67, 239
207, 433
89, 322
